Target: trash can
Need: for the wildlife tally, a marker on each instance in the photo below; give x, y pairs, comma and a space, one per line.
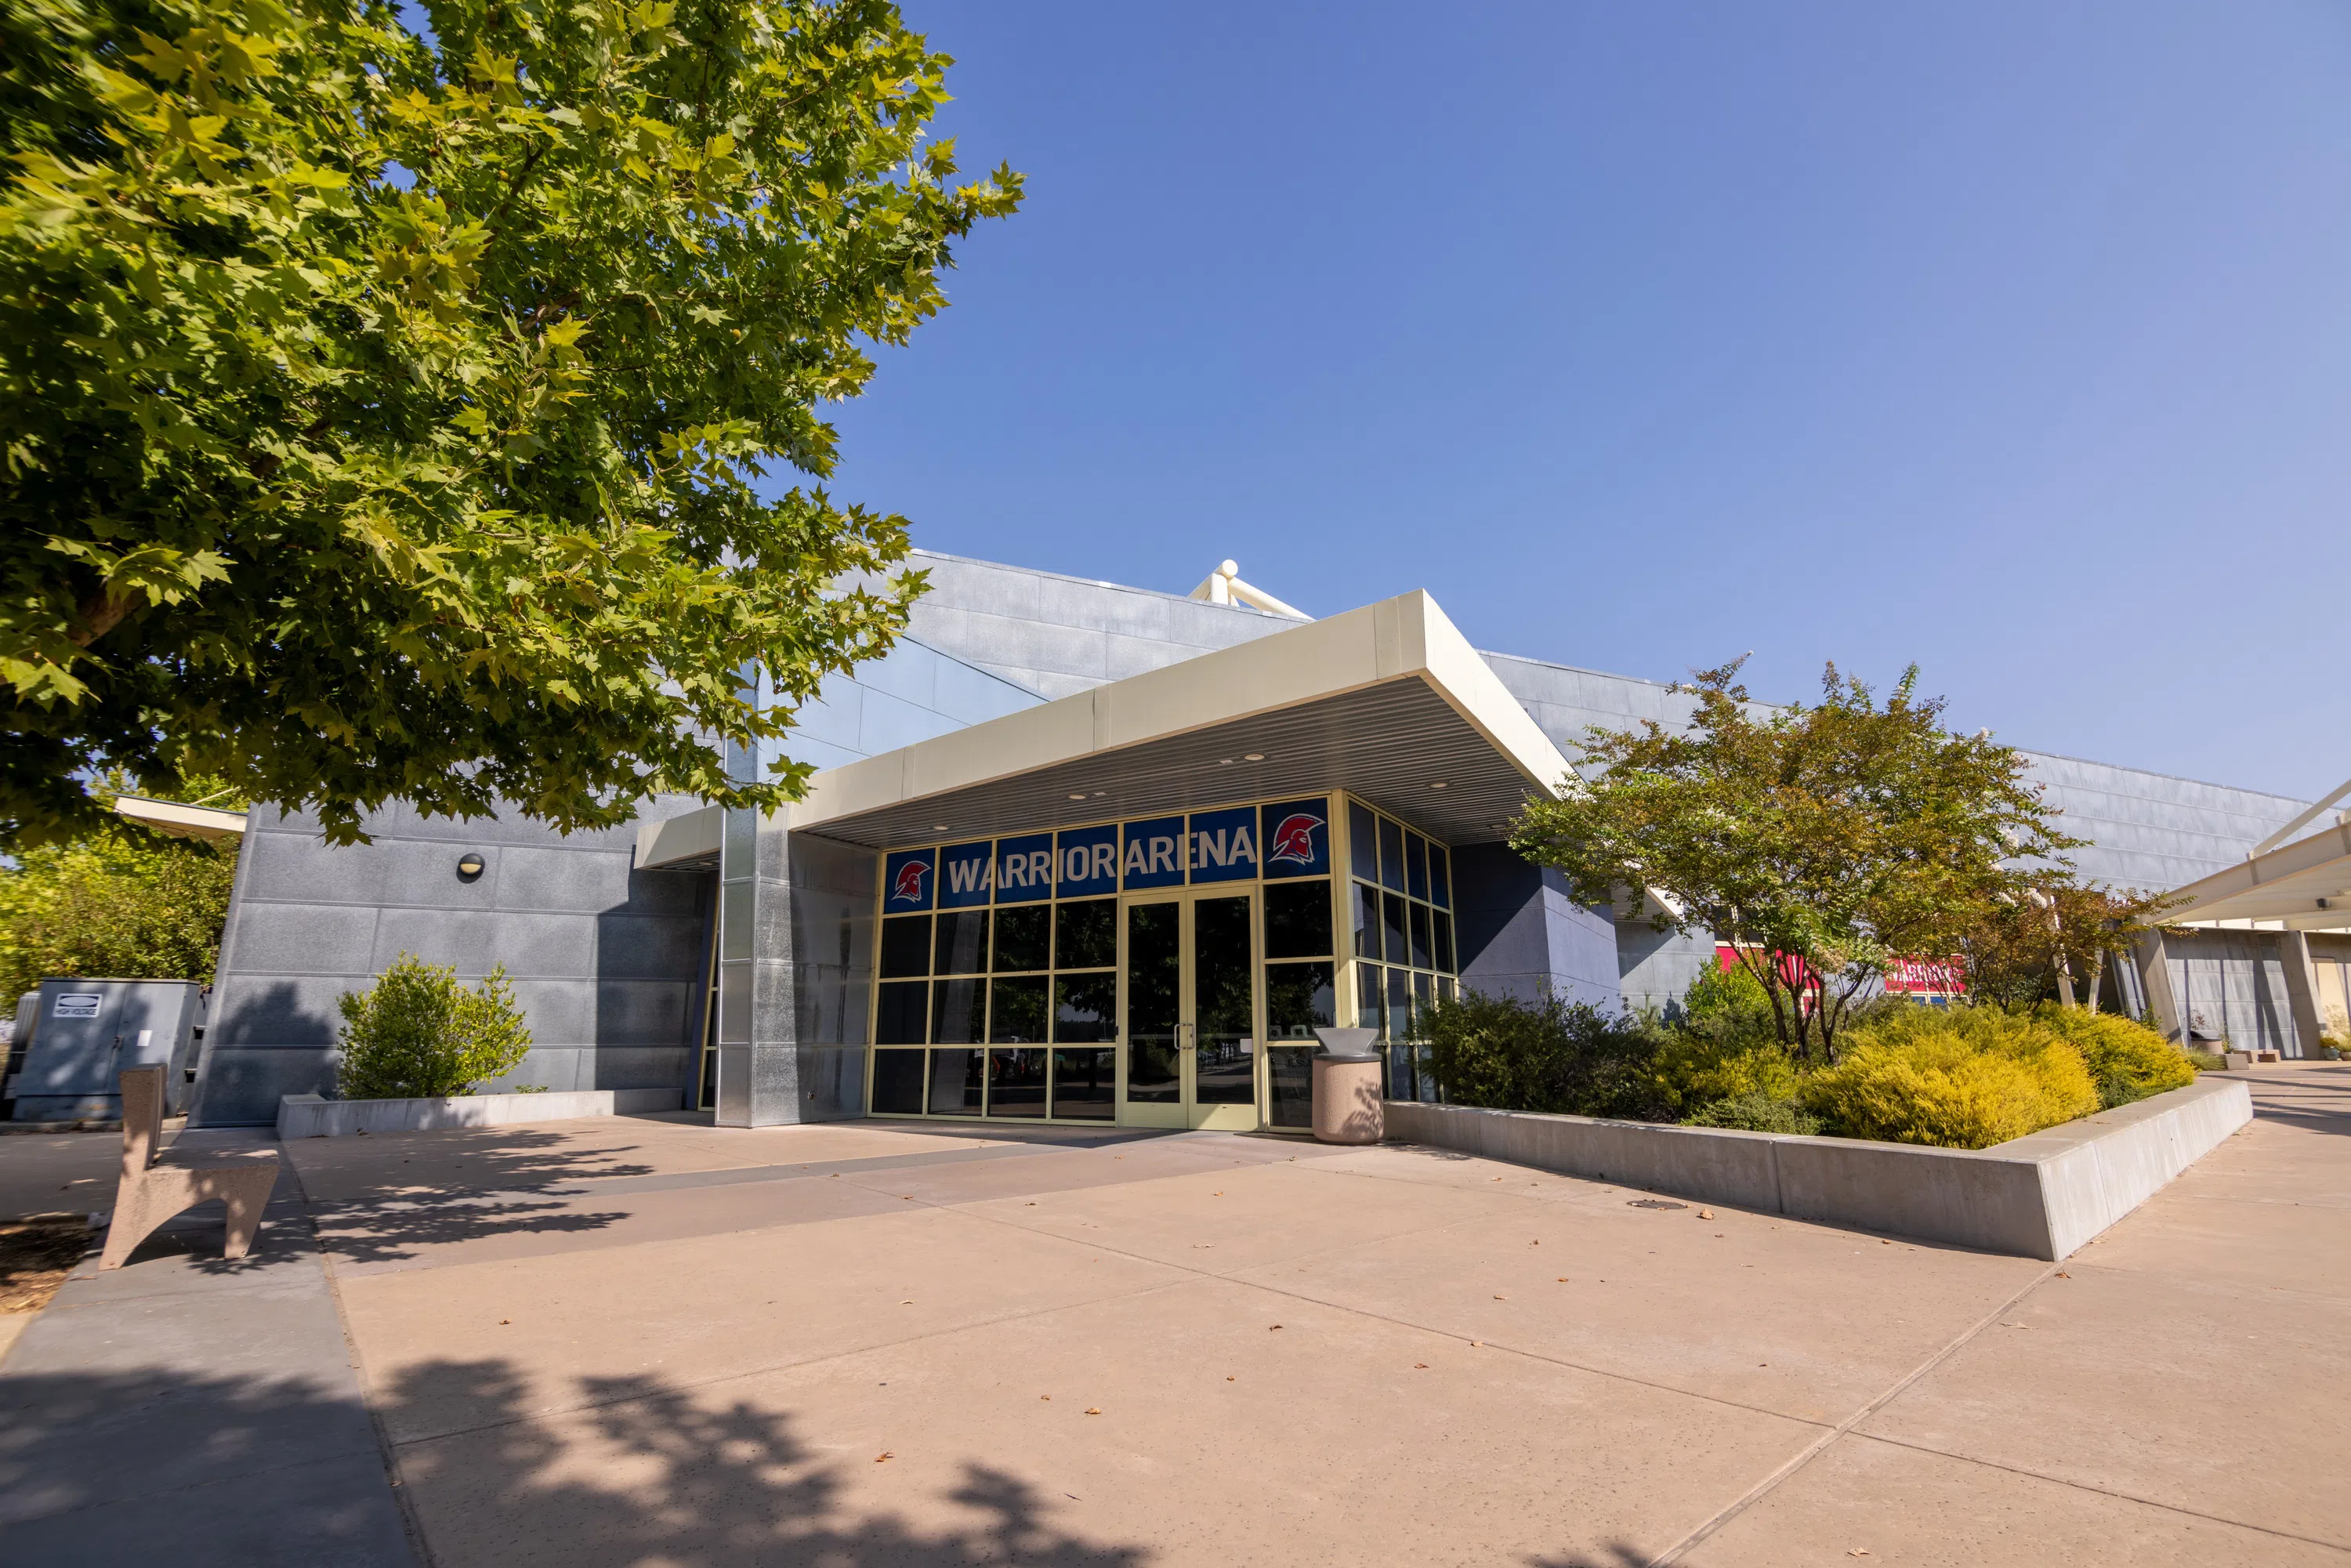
1347, 1087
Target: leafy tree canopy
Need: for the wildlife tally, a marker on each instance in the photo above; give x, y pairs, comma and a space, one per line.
381, 411
1839, 835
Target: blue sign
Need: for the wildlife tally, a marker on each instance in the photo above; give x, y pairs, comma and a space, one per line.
1087, 862
1024, 869
967, 874
907, 882
1154, 855
1296, 839
1224, 845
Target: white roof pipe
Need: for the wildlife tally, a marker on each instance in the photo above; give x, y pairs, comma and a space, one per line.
1224, 586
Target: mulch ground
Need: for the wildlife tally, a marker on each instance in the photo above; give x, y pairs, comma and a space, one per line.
36, 1255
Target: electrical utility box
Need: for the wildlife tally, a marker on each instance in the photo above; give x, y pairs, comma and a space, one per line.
84, 1032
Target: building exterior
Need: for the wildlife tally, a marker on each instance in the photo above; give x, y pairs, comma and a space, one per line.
1079, 851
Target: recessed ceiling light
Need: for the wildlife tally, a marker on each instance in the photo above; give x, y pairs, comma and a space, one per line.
939, 827
1437, 783
1253, 757
1100, 793
1224, 762
1077, 794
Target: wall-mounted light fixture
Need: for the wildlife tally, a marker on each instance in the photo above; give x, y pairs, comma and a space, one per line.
470, 866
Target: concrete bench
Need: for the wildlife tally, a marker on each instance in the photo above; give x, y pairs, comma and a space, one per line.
157, 1184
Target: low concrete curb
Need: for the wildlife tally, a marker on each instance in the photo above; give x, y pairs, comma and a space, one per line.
309, 1116
2038, 1197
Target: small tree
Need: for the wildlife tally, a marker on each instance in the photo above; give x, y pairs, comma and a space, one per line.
117, 901
416, 1033
1820, 841
2057, 936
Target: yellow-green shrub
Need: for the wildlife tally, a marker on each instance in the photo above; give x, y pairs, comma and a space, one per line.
2127, 1061
1693, 1070
1961, 1078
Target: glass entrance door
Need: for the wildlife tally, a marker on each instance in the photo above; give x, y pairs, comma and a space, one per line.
1191, 1036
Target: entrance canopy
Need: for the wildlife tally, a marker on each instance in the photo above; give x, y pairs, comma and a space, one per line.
1390, 701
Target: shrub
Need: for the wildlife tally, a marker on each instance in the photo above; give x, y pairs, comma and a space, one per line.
1757, 1112
1565, 1058
417, 1033
2207, 1061
2127, 1061
1961, 1078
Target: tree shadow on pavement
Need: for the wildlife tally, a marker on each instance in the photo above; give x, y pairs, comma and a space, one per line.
643, 1471
393, 1232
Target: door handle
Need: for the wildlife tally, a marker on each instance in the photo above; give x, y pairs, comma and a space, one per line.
1188, 1036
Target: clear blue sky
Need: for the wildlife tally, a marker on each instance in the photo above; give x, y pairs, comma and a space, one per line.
2014, 339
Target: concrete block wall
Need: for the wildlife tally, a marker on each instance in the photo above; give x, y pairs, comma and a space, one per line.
1517, 933
603, 958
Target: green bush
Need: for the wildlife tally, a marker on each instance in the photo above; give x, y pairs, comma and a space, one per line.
1962, 1077
2127, 1061
1564, 1058
1757, 1111
416, 1033
2207, 1061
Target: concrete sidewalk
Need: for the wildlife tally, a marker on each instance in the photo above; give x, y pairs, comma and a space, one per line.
644, 1340
187, 1409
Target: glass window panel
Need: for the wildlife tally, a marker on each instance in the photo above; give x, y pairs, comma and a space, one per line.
1224, 997
1443, 939
1416, 865
1422, 993
905, 946
1299, 997
1153, 971
1085, 1007
1289, 1074
897, 1083
1362, 843
1298, 919
1084, 1085
1016, 1081
1370, 1004
962, 947
1391, 855
1444, 987
1085, 933
1017, 1015
955, 1082
1365, 908
1440, 877
1400, 1069
1420, 951
903, 1013
1391, 921
1399, 1004
956, 1012
1022, 936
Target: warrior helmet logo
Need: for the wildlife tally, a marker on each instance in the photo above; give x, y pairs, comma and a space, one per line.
909, 884
1293, 840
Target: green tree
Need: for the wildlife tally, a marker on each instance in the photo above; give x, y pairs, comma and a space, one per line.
1820, 841
416, 1033
118, 902
2052, 943
383, 414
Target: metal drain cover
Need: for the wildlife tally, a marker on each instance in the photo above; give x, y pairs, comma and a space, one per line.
1654, 1203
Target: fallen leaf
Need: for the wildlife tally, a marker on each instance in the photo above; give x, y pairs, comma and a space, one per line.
1883, 1242
1859, 1552
1231, 1380
884, 1458
1420, 1366
1501, 1298
2063, 1275
505, 1320
1476, 1345
1271, 1327
905, 1303
1093, 1410
1563, 1279
1044, 1397
1706, 1214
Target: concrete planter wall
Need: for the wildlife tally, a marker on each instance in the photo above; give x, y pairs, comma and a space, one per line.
2038, 1197
309, 1116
